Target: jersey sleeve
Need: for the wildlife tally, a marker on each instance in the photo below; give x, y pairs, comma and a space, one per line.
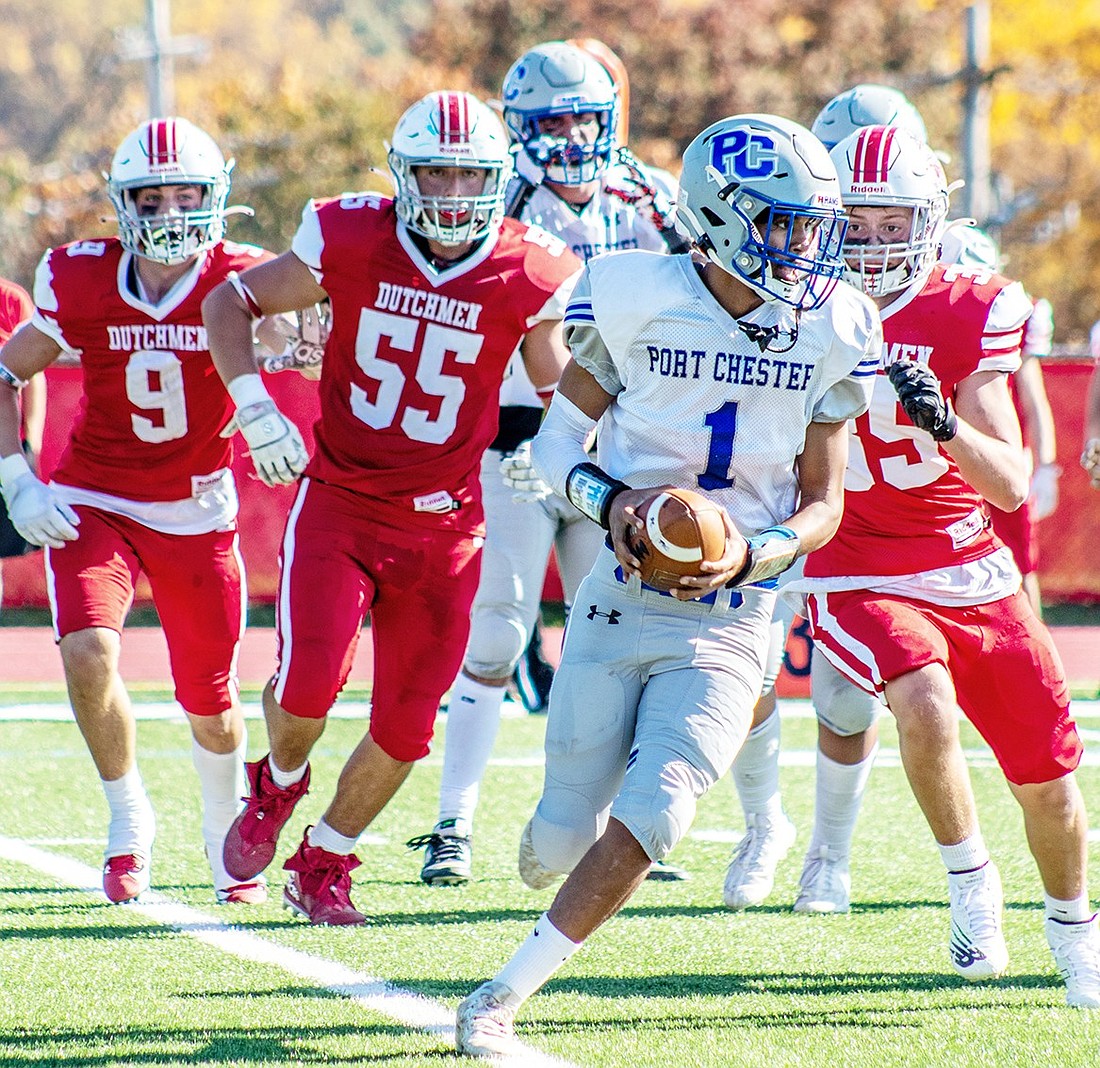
309, 242
850, 396
1003, 333
555, 306
47, 307
1039, 333
16, 307
583, 337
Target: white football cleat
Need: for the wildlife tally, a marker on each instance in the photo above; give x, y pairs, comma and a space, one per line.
531, 870
751, 873
484, 1025
977, 946
1076, 949
825, 885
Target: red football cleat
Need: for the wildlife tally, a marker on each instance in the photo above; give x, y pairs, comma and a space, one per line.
125, 877
254, 893
250, 842
319, 887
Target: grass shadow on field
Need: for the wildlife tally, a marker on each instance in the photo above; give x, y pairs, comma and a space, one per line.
245, 1044
782, 984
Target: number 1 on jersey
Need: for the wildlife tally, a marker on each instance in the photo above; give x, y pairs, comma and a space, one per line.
723, 425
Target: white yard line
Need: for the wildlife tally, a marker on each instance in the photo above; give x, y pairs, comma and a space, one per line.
373, 993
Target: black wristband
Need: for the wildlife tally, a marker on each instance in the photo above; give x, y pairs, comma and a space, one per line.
591, 492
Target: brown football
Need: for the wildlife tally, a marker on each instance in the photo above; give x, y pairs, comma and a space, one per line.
682, 529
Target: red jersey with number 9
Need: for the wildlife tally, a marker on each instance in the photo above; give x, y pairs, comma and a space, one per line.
412, 369
907, 508
153, 405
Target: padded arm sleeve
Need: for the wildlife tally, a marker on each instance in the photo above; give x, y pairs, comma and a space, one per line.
558, 447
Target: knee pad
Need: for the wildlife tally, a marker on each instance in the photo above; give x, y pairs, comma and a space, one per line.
839, 703
660, 817
563, 835
777, 640
497, 641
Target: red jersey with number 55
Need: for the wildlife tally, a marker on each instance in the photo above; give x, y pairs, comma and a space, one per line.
153, 405
907, 509
412, 369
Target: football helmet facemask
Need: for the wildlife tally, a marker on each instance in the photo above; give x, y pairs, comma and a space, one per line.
760, 198
886, 166
866, 105
169, 151
558, 78
450, 129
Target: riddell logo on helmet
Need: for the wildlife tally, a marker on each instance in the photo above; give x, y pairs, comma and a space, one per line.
872, 187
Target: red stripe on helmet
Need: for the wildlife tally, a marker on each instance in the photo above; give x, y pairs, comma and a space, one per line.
872, 159
454, 118
161, 146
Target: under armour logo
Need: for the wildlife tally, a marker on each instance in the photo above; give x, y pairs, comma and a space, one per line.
612, 617
763, 336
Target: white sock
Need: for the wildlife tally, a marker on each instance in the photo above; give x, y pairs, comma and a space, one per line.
838, 794
1077, 911
966, 855
133, 824
223, 784
473, 718
756, 770
532, 965
325, 837
283, 779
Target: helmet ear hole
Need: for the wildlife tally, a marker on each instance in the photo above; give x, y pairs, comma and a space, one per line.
713, 219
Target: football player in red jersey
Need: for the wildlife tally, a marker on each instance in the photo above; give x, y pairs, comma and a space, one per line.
16, 307
915, 598
431, 293
145, 483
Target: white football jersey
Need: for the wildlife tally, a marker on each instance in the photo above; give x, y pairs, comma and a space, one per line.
604, 224
709, 402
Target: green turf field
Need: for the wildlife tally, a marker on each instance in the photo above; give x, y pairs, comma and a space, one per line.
675, 980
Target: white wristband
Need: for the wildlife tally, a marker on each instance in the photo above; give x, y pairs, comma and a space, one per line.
12, 467
248, 389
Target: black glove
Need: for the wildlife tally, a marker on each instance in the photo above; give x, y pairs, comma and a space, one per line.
918, 389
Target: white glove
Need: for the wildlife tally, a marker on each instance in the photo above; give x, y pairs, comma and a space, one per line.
274, 443
520, 476
1090, 461
1044, 490
34, 508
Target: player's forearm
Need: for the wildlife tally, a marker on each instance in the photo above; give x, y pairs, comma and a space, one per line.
10, 423
33, 403
229, 331
996, 469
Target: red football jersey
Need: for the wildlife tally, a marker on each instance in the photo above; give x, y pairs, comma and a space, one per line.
906, 507
16, 307
412, 370
153, 404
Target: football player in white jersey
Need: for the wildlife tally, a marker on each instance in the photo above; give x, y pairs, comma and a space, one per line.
561, 108
734, 374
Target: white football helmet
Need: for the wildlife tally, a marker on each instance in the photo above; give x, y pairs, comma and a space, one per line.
558, 78
169, 151
886, 166
965, 243
866, 105
450, 129
759, 196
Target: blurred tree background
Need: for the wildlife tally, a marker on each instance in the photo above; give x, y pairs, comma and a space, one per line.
304, 92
